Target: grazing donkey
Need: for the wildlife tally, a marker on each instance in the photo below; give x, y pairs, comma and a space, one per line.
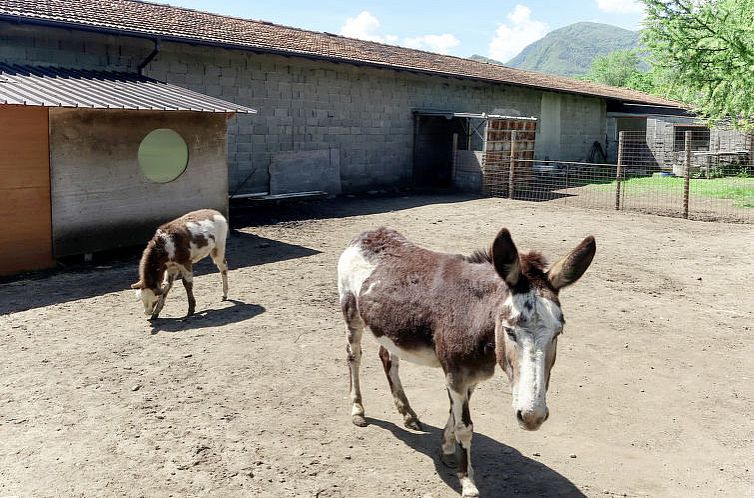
175, 247
463, 314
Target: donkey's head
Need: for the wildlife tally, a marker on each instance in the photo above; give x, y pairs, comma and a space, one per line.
149, 297
529, 323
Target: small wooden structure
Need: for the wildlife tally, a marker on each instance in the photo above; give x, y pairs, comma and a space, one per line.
508, 154
71, 148
25, 209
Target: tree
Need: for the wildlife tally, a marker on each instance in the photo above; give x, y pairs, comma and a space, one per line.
618, 68
705, 50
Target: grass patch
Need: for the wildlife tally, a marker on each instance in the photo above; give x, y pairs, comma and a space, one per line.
739, 190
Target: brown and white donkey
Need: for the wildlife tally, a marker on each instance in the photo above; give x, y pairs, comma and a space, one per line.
463, 314
173, 250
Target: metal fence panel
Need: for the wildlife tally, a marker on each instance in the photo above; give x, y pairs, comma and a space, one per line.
694, 176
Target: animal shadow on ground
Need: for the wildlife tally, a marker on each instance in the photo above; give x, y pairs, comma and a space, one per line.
239, 312
499, 469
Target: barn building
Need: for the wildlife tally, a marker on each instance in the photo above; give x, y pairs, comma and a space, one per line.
335, 114
93, 160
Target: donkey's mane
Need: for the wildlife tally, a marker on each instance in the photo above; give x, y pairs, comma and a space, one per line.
532, 261
479, 256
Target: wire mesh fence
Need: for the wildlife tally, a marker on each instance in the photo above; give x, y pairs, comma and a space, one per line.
691, 176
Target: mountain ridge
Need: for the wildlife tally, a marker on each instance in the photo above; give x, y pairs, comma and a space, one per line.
570, 50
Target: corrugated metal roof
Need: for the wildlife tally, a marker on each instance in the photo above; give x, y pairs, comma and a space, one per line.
61, 87
178, 24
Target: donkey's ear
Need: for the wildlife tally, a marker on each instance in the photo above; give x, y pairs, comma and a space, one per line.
571, 267
505, 258
137, 285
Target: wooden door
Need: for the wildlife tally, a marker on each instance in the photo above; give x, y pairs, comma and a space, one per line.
25, 209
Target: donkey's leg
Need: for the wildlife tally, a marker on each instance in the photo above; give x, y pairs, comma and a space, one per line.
218, 256
188, 283
161, 301
459, 405
390, 364
448, 445
354, 331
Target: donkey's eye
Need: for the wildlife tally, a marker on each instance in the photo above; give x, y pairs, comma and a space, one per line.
511, 333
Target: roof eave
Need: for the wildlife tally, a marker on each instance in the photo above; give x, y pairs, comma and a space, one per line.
20, 19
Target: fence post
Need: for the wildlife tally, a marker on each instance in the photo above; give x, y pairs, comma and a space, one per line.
619, 169
687, 175
512, 167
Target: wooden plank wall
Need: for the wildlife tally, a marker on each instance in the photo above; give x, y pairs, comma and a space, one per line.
26, 235
497, 155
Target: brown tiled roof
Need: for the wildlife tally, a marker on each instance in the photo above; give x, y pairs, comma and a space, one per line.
180, 24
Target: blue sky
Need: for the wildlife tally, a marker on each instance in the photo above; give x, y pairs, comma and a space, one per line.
494, 28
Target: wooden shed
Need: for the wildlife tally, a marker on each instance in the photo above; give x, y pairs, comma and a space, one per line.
94, 160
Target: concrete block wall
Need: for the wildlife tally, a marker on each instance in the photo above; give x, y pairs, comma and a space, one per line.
661, 138
305, 105
729, 140
23, 44
583, 120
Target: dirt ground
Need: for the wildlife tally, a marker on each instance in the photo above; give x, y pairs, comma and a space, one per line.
652, 394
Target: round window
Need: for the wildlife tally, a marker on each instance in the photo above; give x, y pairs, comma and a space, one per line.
163, 155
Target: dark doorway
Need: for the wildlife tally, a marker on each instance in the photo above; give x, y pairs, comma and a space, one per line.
433, 150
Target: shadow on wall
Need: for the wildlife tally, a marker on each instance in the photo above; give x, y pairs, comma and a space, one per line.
499, 469
116, 271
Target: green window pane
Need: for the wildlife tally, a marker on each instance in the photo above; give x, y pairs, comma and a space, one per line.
163, 155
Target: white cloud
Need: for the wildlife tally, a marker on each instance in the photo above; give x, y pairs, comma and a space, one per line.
620, 6
365, 26
434, 43
520, 31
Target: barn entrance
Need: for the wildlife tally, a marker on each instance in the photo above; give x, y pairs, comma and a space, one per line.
433, 148
472, 152
26, 237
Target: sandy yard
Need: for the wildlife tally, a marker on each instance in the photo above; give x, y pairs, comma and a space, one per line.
652, 394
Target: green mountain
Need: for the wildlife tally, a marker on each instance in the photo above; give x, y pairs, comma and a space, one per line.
487, 60
569, 51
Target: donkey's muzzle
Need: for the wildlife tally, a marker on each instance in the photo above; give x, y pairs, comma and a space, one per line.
531, 420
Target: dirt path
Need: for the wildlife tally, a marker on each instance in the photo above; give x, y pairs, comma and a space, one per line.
652, 392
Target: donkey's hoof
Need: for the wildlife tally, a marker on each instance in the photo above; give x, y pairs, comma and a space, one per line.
413, 424
468, 489
449, 460
359, 420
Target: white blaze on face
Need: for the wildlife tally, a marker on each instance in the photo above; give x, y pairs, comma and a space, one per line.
539, 322
149, 298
